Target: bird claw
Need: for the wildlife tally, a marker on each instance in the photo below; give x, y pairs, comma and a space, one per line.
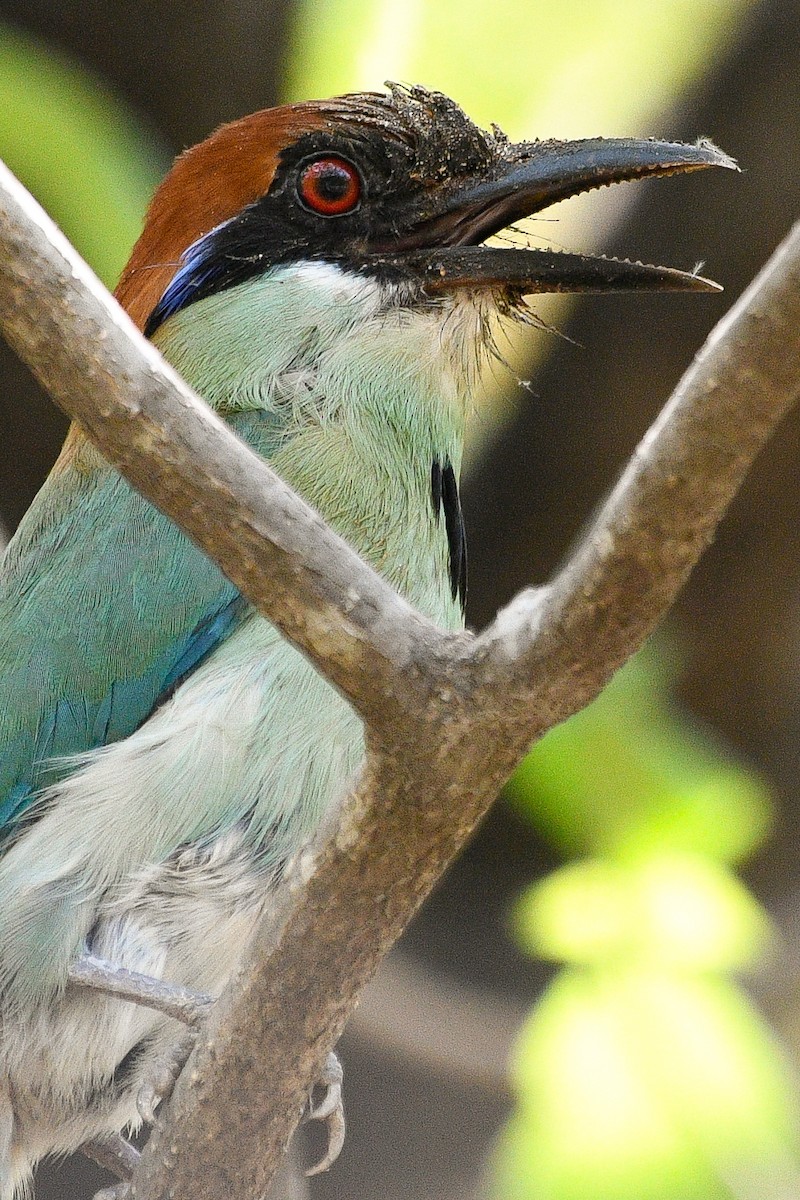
161, 1081
192, 1008
330, 1109
331, 1080
181, 1003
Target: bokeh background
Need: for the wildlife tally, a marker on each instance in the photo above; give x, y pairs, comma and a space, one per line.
602, 1000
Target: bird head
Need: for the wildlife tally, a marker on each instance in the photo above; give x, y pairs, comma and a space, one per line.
400, 189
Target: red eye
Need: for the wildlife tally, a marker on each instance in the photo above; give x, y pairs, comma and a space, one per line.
330, 187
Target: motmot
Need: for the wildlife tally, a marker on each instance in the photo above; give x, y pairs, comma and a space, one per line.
318, 273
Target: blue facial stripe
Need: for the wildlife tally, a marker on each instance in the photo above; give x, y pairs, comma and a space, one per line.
199, 267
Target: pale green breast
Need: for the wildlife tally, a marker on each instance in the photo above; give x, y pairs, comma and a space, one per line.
368, 398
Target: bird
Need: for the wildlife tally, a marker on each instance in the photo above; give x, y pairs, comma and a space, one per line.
318, 273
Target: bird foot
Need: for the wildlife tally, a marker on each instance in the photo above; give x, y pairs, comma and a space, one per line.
330, 1109
192, 1008
161, 1080
182, 1003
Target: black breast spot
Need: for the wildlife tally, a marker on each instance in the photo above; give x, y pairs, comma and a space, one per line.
444, 494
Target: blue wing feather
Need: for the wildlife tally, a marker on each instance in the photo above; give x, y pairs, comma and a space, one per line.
73, 727
105, 607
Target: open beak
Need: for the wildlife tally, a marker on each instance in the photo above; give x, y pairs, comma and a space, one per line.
443, 242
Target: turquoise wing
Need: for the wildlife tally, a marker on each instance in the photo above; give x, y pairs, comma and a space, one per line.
104, 607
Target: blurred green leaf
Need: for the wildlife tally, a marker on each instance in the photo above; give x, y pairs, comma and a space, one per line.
78, 148
644, 1074
666, 910
631, 771
559, 70
645, 1085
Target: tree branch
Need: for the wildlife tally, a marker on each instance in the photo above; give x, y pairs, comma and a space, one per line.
447, 717
557, 648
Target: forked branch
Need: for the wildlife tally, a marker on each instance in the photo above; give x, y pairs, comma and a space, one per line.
447, 716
